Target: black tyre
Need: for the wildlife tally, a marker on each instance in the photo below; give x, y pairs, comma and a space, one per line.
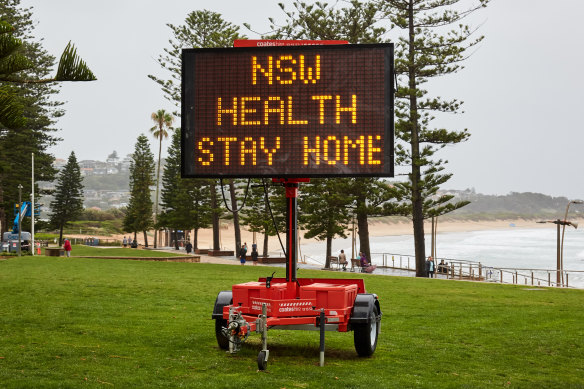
262, 363
222, 341
224, 298
366, 335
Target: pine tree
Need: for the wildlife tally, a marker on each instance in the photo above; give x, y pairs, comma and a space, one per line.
434, 44
34, 133
202, 216
370, 195
253, 216
355, 22
257, 214
68, 199
202, 29
139, 212
28, 108
185, 203
325, 211
14, 63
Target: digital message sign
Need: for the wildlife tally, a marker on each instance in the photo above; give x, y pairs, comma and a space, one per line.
299, 111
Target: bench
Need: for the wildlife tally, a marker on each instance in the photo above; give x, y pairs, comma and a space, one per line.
335, 261
356, 263
220, 253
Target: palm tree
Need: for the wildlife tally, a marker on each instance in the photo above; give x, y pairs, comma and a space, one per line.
162, 120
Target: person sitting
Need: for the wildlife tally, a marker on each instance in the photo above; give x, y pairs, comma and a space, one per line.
442, 267
343, 260
366, 266
363, 259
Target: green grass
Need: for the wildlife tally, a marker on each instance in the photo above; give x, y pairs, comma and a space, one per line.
96, 251
100, 323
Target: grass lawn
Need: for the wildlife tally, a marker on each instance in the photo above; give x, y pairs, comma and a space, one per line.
115, 323
87, 251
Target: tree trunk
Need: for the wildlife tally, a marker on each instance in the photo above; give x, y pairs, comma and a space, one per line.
175, 239
196, 239
266, 236
235, 216
417, 205
3, 226
216, 245
60, 235
145, 239
363, 230
329, 245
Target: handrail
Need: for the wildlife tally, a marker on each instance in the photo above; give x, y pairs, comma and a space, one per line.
475, 270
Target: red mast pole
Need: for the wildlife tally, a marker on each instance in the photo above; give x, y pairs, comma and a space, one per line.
291, 185
291, 229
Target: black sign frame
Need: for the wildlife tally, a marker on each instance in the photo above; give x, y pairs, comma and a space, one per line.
191, 107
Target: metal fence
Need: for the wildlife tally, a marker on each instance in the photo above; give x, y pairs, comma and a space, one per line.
476, 271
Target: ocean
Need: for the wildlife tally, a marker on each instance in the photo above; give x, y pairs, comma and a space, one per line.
510, 248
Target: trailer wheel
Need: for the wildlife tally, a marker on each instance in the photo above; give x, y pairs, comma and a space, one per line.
222, 341
262, 363
366, 334
224, 298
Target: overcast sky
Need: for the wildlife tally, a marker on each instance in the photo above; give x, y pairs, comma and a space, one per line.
522, 87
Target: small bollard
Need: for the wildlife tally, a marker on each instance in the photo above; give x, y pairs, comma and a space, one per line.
322, 323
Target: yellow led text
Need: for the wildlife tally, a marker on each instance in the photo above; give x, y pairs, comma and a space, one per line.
287, 70
252, 111
246, 149
332, 150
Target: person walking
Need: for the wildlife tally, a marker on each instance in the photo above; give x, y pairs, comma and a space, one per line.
430, 267
254, 255
67, 247
242, 252
125, 242
189, 247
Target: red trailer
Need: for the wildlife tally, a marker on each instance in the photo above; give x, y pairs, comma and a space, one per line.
291, 303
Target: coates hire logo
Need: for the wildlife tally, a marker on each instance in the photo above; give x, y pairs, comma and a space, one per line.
302, 306
277, 42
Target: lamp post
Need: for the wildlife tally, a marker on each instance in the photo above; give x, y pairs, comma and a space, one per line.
19, 217
563, 231
559, 223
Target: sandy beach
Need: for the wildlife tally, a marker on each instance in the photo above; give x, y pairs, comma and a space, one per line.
377, 227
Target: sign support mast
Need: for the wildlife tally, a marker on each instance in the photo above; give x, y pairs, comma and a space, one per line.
291, 185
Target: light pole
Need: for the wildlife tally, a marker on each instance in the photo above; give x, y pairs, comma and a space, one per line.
19, 216
563, 231
559, 223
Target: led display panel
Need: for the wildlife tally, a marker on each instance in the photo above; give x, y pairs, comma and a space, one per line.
298, 111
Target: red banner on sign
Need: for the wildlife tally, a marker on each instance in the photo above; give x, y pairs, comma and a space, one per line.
278, 42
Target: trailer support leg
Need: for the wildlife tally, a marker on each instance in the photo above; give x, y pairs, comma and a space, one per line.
262, 325
322, 323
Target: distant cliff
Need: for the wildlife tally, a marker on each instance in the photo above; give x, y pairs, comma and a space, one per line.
525, 205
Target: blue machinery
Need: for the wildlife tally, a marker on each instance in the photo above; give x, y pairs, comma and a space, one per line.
10, 238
